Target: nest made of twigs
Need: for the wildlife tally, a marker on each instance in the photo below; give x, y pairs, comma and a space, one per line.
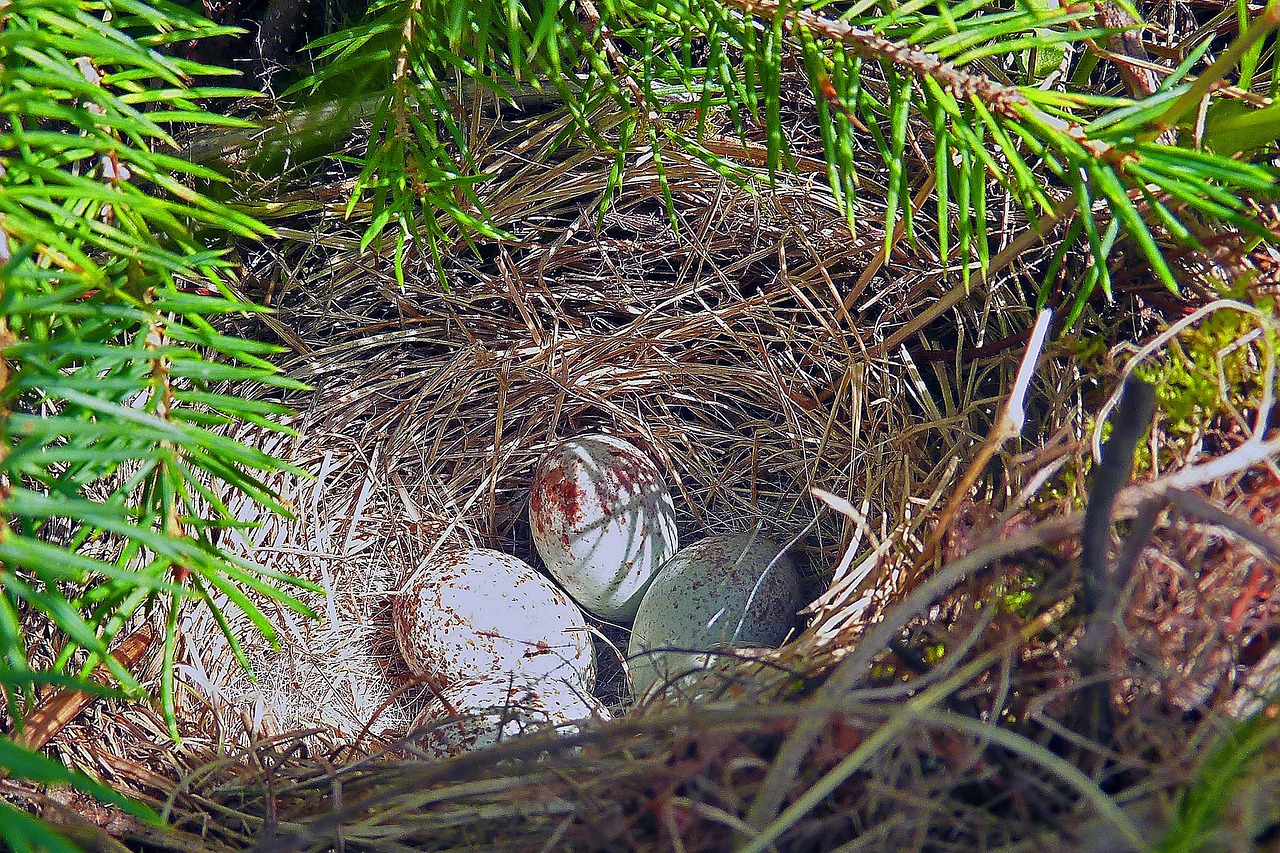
430, 412
737, 349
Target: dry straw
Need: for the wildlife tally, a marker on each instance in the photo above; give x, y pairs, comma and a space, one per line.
718, 348
758, 352
734, 348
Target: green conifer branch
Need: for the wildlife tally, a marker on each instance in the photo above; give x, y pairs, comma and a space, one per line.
637, 55
110, 369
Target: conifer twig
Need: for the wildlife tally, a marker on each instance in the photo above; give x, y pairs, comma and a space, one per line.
1006, 101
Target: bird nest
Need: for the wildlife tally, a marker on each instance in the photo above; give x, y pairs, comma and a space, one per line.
726, 348
757, 350
714, 347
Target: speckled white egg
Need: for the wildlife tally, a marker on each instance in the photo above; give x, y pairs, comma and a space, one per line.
722, 592
472, 612
602, 521
479, 713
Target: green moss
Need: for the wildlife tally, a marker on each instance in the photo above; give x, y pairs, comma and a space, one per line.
1205, 376
1201, 376
935, 652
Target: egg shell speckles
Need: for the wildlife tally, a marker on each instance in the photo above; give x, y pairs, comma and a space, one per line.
722, 592
479, 713
603, 522
472, 612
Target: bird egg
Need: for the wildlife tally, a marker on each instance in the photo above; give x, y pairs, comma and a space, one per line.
721, 592
479, 713
473, 612
603, 522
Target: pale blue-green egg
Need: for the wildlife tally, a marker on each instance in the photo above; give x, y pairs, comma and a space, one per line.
723, 592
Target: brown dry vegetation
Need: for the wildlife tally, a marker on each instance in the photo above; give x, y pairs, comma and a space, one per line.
931, 697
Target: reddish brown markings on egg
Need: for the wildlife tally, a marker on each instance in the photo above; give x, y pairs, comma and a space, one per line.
556, 495
625, 476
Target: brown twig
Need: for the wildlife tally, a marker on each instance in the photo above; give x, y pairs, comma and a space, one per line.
1127, 50
1026, 239
639, 101
971, 353
54, 713
1193, 505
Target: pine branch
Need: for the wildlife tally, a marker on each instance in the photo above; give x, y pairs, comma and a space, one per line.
421, 178
866, 44
108, 360
1099, 160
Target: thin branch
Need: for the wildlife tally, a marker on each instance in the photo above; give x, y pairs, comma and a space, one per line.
1197, 507
1008, 426
1133, 416
639, 101
1028, 238
868, 45
1127, 50
1006, 101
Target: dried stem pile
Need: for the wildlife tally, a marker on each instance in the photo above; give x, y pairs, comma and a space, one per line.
758, 351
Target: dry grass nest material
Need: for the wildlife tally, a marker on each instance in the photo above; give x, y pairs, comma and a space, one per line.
755, 353
718, 349
834, 742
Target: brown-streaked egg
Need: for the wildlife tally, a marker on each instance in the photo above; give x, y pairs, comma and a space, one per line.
479, 713
721, 592
603, 522
473, 612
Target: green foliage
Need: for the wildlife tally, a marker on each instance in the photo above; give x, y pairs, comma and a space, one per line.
1209, 371
665, 70
1232, 128
111, 458
1200, 807
423, 55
